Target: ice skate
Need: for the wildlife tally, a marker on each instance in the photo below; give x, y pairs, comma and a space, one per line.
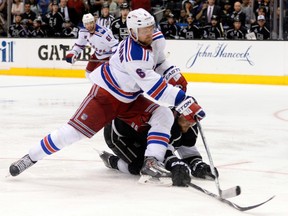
109, 159
154, 168
19, 166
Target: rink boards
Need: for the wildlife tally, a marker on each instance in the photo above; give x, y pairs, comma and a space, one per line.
219, 61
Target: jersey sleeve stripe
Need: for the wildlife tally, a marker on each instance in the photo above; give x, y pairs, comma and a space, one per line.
157, 90
157, 35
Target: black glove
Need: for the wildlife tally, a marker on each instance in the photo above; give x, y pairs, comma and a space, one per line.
180, 172
202, 170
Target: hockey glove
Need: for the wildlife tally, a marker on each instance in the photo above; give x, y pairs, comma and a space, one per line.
71, 58
174, 77
190, 110
180, 172
199, 169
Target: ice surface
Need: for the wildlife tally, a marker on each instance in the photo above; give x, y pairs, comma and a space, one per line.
246, 129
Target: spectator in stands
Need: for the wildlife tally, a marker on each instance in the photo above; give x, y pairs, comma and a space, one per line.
35, 7
238, 13
113, 8
226, 16
69, 30
3, 9
95, 6
193, 7
175, 6
207, 11
262, 11
37, 31
3, 26
69, 14
106, 18
28, 16
3, 18
170, 30
164, 19
237, 32
257, 4
54, 21
212, 31
119, 26
192, 31
183, 17
17, 30
260, 30
250, 15
44, 5
17, 8
266, 5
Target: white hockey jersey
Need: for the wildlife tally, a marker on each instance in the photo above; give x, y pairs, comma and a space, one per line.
102, 41
135, 69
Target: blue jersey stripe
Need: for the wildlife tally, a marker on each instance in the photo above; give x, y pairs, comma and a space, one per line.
44, 148
157, 142
52, 143
159, 134
160, 93
155, 87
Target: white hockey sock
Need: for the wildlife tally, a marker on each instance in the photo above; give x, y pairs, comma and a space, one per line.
156, 150
55, 141
158, 136
123, 166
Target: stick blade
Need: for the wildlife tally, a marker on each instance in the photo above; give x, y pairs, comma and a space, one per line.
230, 192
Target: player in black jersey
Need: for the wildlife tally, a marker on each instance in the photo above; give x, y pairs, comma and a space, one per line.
129, 146
119, 26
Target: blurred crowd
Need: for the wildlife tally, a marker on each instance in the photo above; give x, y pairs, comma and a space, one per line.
177, 19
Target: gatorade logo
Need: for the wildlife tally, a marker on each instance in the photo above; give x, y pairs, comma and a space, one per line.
6, 51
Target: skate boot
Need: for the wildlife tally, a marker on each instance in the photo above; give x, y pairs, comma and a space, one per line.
109, 160
153, 167
22, 164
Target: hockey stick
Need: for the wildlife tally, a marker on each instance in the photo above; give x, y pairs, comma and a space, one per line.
230, 192
221, 199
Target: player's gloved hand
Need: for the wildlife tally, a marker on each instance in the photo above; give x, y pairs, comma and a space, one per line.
174, 77
190, 110
180, 172
71, 58
200, 169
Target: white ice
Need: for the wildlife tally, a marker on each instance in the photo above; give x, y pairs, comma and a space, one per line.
246, 129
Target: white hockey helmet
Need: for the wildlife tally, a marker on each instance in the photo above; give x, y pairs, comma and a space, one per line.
138, 18
87, 18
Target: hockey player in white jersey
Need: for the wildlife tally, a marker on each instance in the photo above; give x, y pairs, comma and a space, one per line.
99, 38
136, 67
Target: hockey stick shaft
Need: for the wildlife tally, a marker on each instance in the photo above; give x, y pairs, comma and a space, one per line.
209, 156
231, 204
235, 191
